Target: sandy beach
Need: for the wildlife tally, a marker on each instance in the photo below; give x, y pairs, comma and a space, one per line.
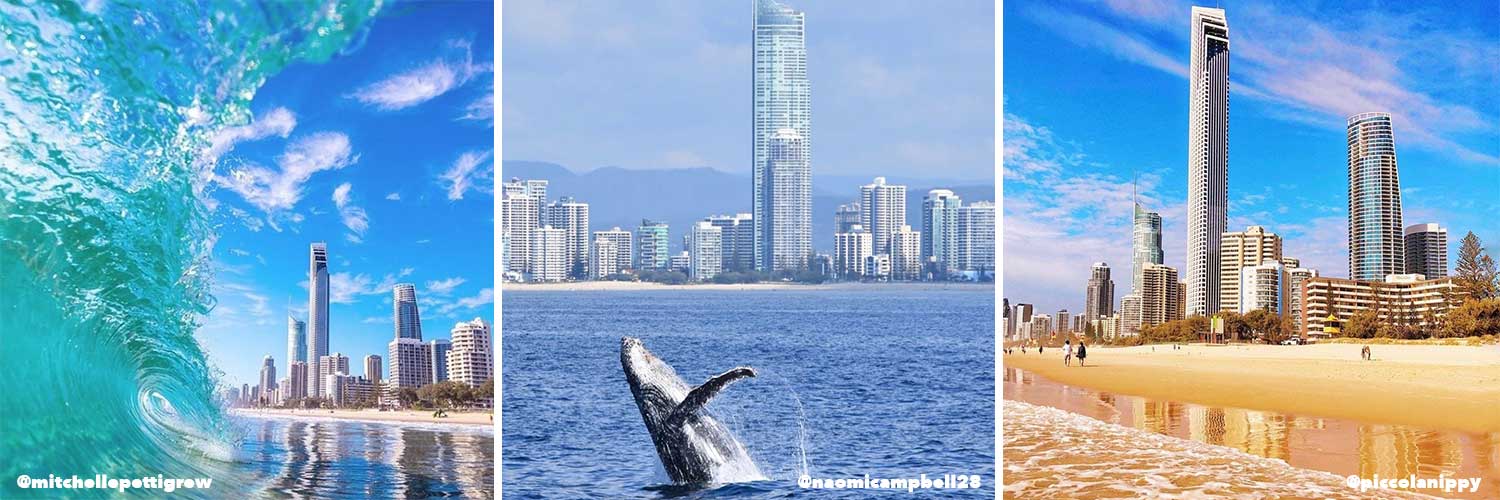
1443, 387
453, 418
593, 286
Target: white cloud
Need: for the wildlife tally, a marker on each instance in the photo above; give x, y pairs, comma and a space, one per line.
473, 169
393, 197
280, 189
352, 216
375, 320
485, 296
481, 109
239, 252
424, 83
346, 288
277, 122
444, 287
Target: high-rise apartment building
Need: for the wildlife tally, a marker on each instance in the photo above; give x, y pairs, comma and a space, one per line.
437, 353
373, 367
1064, 321
1402, 299
1427, 250
296, 340
737, 239
534, 189
706, 248
572, 217
1130, 312
847, 216
268, 379
976, 238
883, 209
317, 314
1261, 287
1099, 299
1377, 247
1296, 287
296, 377
519, 216
334, 363
652, 248
549, 255
1238, 250
878, 267
622, 241
850, 251
404, 313
1159, 296
782, 107
1145, 244
906, 254
940, 231
603, 261
411, 364
1208, 157
470, 361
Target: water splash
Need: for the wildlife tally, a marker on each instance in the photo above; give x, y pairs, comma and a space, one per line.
104, 232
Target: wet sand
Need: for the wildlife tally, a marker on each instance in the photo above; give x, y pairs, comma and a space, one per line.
1431, 387
453, 418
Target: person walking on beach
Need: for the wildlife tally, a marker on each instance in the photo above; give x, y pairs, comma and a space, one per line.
1081, 353
1068, 353
1364, 353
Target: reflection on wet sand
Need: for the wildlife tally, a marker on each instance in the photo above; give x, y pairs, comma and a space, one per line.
1342, 447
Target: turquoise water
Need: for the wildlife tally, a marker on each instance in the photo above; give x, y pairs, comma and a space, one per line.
104, 233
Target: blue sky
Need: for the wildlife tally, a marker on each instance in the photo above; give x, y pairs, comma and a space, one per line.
897, 89
384, 152
1096, 92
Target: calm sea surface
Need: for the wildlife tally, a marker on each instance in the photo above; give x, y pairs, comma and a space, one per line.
889, 382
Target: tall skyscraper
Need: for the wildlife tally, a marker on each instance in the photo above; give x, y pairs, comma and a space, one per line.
549, 254
268, 379
535, 189
652, 248
906, 254
940, 231
737, 239
706, 246
373, 368
519, 214
296, 340
470, 361
404, 313
850, 250
975, 240
573, 218
1427, 250
1208, 157
411, 364
883, 209
786, 238
296, 381
317, 314
1238, 250
1159, 297
1145, 245
1376, 245
437, 353
1099, 300
847, 216
782, 101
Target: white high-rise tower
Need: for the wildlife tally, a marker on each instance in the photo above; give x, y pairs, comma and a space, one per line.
782, 99
1208, 157
317, 314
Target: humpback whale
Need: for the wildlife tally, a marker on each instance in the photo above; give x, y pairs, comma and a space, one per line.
692, 445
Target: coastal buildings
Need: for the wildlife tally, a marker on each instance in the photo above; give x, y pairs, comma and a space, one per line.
296, 341
373, 368
336, 363
404, 313
1427, 250
520, 215
940, 231
883, 209
850, 251
572, 217
1376, 244
652, 247
267, 379
781, 131
682, 262
621, 243
317, 315
437, 359
705, 247
296, 376
1145, 244
1261, 287
736, 240
878, 267
1099, 299
1296, 285
976, 240
906, 254
1063, 320
1398, 300
549, 260
469, 361
1130, 311
1242, 249
1159, 297
1207, 158
411, 363
534, 188
602, 261
785, 239
847, 216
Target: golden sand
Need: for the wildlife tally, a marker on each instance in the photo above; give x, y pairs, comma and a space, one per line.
1440, 387
454, 417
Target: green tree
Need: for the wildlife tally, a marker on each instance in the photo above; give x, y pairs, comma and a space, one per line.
1364, 324
1474, 318
1475, 273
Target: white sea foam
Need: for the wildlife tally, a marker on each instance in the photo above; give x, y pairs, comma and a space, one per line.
1051, 453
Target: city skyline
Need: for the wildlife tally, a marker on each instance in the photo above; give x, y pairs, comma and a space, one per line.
362, 152
1068, 179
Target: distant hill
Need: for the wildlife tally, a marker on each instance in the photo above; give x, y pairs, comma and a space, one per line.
680, 196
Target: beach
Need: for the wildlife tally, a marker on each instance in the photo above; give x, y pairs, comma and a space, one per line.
453, 418
592, 286
1438, 387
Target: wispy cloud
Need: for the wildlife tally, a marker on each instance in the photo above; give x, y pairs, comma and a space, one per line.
424, 83
352, 216
443, 287
393, 197
473, 169
279, 189
346, 288
485, 296
277, 122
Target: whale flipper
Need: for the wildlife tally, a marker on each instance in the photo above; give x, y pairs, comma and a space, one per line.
700, 395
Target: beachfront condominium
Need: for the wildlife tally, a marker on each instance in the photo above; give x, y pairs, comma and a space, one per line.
652, 250
519, 216
786, 235
1099, 299
373, 367
572, 217
782, 107
976, 239
296, 340
847, 215
850, 250
1159, 296
1130, 312
622, 242
737, 239
296, 376
1145, 244
878, 267
1296, 285
1041, 326
1427, 250
317, 314
437, 359
1261, 287
267, 378
1238, 250
706, 248
535, 189
906, 254
410, 363
334, 363
1022, 319
1397, 300
549, 261
1208, 157
470, 361
603, 259
940, 232
883, 209
1064, 321
1376, 245
404, 313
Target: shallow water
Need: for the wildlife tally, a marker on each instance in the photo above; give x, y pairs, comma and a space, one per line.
1326, 446
890, 383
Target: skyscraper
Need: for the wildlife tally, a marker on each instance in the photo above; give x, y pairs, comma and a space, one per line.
883, 209
268, 378
519, 214
1376, 245
296, 381
847, 216
1208, 157
470, 361
603, 261
1099, 300
535, 189
411, 364
975, 240
786, 233
1427, 250
549, 254
706, 246
1159, 296
940, 231
573, 218
737, 239
317, 315
621, 240
1145, 245
296, 340
850, 249
404, 313
652, 248
1238, 250
373, 368
782, 100
437, 353
906, 254
1063, 319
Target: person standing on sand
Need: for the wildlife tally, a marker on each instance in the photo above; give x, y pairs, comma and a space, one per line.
1081, 353
1068, 353
1364, 353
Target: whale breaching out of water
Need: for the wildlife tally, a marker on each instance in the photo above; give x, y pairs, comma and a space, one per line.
695, 449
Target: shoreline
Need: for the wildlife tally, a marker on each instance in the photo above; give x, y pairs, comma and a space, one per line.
603, 286
403, 416
1438, 387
